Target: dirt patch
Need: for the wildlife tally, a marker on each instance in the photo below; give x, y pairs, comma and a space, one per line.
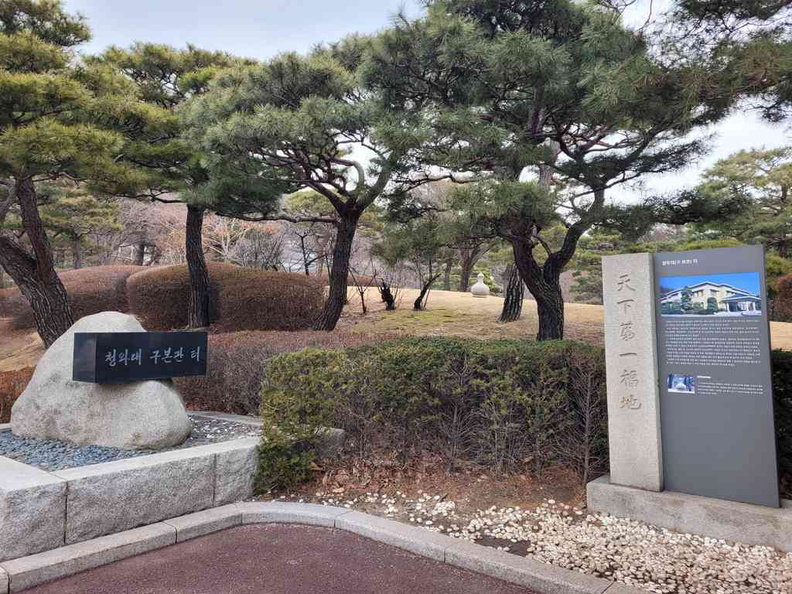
471, 489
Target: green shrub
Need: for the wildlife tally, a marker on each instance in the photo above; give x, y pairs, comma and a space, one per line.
90, 290
299, 396
503, 404
237, 366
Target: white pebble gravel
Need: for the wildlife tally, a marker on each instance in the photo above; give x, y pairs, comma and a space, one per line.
634, 553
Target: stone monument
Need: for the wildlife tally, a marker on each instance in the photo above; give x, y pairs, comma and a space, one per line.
676, 313
140, 415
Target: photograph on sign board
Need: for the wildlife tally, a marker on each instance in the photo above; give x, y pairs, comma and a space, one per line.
685, 384
719, 295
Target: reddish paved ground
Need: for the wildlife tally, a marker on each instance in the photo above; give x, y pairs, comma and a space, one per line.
278, 559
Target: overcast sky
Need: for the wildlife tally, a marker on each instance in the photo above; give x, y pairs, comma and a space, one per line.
262, 28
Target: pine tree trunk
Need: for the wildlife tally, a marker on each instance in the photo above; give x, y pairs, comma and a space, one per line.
447, 275
140, 254
545, 286
77, 252
467, 269
550, 307
420, 303
198, 304
35, 275
515, 293
339, 271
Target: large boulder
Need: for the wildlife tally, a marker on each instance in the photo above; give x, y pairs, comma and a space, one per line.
139, 415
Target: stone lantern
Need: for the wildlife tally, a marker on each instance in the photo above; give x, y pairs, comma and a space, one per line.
480, 289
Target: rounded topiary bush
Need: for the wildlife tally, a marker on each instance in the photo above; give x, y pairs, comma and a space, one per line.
159, 296
90, 290
241, 298
252, 299
782, 302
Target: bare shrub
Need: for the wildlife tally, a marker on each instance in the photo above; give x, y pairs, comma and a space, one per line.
90, 290
251, 299
236, 366
241, 298
582, 445
782, 303
12, 384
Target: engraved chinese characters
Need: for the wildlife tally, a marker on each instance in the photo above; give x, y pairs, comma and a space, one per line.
629, 375
633, 418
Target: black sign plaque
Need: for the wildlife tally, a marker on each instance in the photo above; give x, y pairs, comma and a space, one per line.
119, 357
716, 392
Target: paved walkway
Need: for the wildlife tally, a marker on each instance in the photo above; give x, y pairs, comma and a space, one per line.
278, 559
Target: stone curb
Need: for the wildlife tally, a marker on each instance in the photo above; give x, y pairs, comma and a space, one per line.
26, 572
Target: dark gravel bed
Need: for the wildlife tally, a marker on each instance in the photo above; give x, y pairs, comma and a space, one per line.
51, 454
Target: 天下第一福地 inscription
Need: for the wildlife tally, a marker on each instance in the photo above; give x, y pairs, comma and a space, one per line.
629, 378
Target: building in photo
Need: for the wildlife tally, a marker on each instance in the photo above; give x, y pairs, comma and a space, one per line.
710, 296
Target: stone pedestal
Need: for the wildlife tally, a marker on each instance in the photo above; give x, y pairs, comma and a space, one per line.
706, 516
631, 367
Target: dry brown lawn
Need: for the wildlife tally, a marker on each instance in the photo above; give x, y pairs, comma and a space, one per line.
448, 313
451, 313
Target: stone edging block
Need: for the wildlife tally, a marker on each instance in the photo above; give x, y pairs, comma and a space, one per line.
538, 576
310, 514
26, 572
3, 582
417, 540
32, 509
205, 522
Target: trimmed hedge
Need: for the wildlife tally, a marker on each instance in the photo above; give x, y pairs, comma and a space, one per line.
91, 290
782, 302
159, 296
782, 405
252, 299
237, 365
241, 298
503, 404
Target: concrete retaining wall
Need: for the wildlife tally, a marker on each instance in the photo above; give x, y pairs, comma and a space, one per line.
42, 510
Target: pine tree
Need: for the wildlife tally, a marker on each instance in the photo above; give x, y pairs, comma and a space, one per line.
556, 89
293, 122
165, 77
47, 132
762, 181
